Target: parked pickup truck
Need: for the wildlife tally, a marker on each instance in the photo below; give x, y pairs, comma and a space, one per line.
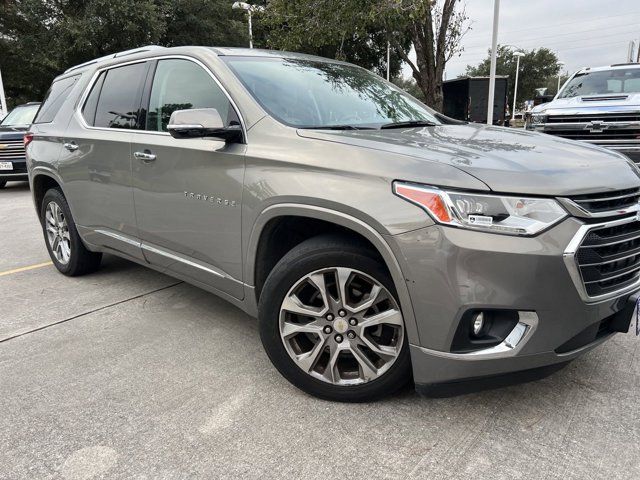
599, 105
12, 127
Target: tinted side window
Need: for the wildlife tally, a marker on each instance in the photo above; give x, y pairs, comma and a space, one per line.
90, 105
182, 85
54, 99
119, 100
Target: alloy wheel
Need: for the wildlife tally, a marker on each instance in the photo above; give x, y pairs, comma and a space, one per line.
58, 233
341, 326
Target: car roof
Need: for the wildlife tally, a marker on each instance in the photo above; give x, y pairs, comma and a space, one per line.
150, 51
617, 66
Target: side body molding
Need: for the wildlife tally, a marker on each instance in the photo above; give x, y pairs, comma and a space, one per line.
344, 220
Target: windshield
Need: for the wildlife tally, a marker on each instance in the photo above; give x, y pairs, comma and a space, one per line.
315, 94
20, 115
603, 83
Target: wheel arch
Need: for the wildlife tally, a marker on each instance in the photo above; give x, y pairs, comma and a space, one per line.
42, 180
255, 272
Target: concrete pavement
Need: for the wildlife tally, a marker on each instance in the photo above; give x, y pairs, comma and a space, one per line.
130, 374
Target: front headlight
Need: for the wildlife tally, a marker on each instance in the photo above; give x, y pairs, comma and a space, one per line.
537, 118
494, 213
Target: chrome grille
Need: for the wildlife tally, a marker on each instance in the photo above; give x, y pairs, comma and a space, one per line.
11, 150
609, 134
608, 258
608, 201
608, 117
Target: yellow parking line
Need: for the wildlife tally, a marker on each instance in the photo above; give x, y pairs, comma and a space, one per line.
24, 269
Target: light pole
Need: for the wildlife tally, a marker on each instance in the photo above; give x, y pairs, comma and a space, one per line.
515, 87
388, 60
492, 73
249, 9
3, 101
560, 64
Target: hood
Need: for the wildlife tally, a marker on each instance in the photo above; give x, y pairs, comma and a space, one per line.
506, 160
14, 132
591, 104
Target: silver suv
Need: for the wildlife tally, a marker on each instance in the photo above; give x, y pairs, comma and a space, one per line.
376, 240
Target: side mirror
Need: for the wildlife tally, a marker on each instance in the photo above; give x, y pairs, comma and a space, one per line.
202, 122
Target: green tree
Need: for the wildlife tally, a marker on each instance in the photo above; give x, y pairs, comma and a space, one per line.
410, 86
536, 68
39, 39
432, 28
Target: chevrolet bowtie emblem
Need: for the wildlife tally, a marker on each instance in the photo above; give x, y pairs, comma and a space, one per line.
596, 126
3, 146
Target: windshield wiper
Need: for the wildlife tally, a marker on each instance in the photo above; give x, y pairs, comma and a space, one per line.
409, 123
337, 127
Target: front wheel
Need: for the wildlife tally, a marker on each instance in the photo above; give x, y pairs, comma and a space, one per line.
65, 247
331, 323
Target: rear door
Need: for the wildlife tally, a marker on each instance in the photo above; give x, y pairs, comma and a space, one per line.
96, 160
188, 191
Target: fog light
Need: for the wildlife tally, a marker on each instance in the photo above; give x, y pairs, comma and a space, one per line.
478, 324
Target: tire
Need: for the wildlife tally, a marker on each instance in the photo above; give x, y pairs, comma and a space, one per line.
70, 256
3, 183
345, 376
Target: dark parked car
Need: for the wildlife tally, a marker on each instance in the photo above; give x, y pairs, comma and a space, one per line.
12, 127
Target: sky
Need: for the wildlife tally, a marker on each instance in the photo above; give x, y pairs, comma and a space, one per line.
582, 32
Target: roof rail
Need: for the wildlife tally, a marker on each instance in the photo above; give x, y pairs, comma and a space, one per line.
114, 55
625, 64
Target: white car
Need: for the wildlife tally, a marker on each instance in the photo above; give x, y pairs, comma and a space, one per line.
598, 105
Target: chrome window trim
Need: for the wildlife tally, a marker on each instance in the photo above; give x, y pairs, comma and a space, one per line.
94, 77
569, 257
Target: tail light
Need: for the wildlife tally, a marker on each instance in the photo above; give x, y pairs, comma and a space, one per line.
28, 137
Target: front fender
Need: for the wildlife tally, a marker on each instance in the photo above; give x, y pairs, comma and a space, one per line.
386, 249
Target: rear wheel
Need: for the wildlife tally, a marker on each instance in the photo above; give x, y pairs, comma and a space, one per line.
331, 324
65, 247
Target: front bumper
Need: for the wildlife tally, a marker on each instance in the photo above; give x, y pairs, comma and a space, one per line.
17, 173
450, 271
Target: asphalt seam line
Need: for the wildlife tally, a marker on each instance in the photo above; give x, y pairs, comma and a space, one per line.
104, 307
24, 269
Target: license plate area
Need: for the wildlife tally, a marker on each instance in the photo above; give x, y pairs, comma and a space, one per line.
6, 166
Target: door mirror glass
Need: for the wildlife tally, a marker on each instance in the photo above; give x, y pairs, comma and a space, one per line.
202, 122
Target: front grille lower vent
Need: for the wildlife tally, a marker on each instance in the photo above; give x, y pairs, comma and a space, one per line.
11, 150
609, 201
609, 258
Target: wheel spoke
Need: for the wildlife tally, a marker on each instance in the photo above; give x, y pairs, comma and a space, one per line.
367, 371
383, 351
50, 218
317, 280
308, 360
370, 301
292, 303
56, 244
58, 214
66, 251
342, 277
290, 328
388, 317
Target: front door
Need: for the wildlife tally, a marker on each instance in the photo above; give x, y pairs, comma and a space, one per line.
187, 192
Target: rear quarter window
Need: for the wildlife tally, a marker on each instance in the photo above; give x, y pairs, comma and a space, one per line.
55, 97
117, 104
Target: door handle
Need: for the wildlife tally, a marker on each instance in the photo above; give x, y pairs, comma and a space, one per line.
145, 156
71, 146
